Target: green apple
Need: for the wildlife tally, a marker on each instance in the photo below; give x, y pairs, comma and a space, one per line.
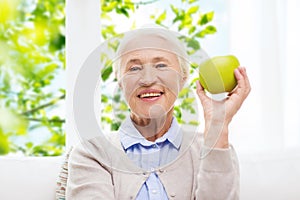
217, 74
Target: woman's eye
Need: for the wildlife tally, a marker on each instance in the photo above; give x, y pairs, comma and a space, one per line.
160, 65
135, 68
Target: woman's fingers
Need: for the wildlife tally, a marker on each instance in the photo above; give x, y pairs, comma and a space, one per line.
234, 100
201, 92
246, 79
243, 87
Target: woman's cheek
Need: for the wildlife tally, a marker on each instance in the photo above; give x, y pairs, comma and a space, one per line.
171, 79
129, 85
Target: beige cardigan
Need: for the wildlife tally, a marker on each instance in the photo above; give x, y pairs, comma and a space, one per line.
100, 170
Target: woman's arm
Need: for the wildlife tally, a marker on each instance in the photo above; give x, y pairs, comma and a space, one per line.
87, 178
218, 176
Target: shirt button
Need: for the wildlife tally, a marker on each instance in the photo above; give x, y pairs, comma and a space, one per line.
152, 169
154, 191
154, 146
173, 195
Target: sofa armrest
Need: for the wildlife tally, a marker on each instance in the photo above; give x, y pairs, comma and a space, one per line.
31, 178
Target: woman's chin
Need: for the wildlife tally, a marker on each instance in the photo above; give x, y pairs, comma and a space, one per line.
155, 115
155, 112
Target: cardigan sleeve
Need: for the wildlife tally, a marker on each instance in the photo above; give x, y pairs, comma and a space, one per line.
218, 176
87, 178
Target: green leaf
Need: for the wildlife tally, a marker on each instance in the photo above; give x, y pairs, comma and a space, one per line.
123, 106
56, 121
211, 29
108, 108
109, 7
152, 16
194, 122
178, 18
58, 139
29, 145
106, 72
188, 100
174, 9
47, 70
193, 43
192, 30
184, 92
177, 112
206, 31
115, 126
121, 116
194, 65
192, 10
122, 11
40, 150
4, 144
57, 42
117, 98
104, 16
161, 17
63, 91
104, 98
106, 119
187, 21
193, 82
207, 17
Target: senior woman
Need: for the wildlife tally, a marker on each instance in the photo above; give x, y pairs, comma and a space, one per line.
151, 156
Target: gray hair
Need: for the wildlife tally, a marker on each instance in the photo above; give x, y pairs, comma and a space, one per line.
168, 41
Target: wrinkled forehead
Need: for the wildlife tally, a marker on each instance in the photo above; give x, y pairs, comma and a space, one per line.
147, 42
149, 55
158, 39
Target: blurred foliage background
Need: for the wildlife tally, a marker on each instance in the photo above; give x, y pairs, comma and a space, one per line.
32, 62
32, 65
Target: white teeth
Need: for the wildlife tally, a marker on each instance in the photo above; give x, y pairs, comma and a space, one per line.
150, 95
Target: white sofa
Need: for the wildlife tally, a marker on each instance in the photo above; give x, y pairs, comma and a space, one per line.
273, 176
29, 178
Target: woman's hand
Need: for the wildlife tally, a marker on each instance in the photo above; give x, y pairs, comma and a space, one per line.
218, 114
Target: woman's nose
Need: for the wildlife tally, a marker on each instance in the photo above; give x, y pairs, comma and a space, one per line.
148, 76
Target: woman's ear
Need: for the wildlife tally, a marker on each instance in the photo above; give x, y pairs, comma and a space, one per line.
183, 80
120, 85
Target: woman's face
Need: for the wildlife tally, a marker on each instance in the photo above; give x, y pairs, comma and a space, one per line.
150, 80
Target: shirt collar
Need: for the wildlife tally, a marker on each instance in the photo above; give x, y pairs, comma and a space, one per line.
130, 136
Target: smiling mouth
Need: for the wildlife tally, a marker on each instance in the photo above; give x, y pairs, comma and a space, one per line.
150, 95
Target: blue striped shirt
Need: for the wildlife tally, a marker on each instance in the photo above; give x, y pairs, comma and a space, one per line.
150, 155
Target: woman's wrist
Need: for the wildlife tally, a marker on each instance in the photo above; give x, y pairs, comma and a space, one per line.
216, 134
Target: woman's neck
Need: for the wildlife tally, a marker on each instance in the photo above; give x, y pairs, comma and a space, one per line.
153, 128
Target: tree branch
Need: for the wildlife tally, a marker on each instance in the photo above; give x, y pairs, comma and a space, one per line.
49, 120
142, 3
52, 102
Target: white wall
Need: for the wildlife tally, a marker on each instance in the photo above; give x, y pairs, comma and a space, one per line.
266, 42
266, 132
83, 36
